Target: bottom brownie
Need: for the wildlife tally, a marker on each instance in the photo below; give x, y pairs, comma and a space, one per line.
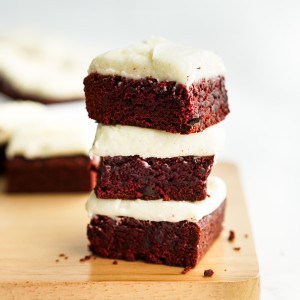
170, 243
55, 174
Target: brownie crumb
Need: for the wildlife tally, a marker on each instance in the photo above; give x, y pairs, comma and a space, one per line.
57, 260
231, 236
246, 236
225, 270
66, 257
115, 262
86, 258
61, 255
237, 248
186, 270
208, 273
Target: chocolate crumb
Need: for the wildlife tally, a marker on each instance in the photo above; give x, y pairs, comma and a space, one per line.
186, 270
237, 248
208, 273
61, 255
115, 262
198, 68
66, 257
57, 260
225, 270
86, 258
246, 236
231, 236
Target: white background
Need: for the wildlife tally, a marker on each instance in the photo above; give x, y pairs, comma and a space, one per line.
259, 42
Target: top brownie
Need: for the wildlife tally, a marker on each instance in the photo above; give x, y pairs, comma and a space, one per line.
157, 84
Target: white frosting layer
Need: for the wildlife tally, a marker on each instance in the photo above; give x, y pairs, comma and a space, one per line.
43, 66
160, 59
16, 115
159, 210
52, 137
145, 142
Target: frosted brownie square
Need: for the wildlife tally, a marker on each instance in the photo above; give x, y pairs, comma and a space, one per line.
157, 84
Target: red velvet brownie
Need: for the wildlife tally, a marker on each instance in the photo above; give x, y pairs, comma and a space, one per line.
15, 116
40, 67
134, 177
2, 157
157, 84
8, 89
45, 175
51, 156
179, 242
143, 163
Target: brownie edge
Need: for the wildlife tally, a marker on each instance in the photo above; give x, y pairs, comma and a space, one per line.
149, 103
180, 244
134, 177
46, 175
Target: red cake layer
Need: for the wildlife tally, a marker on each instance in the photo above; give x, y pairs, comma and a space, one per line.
57, 174
149, 103
134, 177
2, 157
176, 244
10, 91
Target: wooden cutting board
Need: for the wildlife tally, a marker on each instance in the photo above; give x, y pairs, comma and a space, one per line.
35, 229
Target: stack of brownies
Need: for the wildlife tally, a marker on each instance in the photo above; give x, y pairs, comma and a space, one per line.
159, 106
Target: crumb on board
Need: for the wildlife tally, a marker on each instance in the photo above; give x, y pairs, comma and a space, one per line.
231, 236
246, 236
57, 260
225, 270
61, 255
237, 248
186, 270
86, 258
208, 273
115, 262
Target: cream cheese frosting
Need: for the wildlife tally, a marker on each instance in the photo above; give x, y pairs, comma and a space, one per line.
160, 59
114, 140
16, 115
50, 138
159, 210
43, 66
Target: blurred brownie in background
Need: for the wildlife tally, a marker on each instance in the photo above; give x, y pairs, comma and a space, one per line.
50, 157
40, 67
16, 115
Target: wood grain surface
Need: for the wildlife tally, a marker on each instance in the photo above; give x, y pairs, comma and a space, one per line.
35, 229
